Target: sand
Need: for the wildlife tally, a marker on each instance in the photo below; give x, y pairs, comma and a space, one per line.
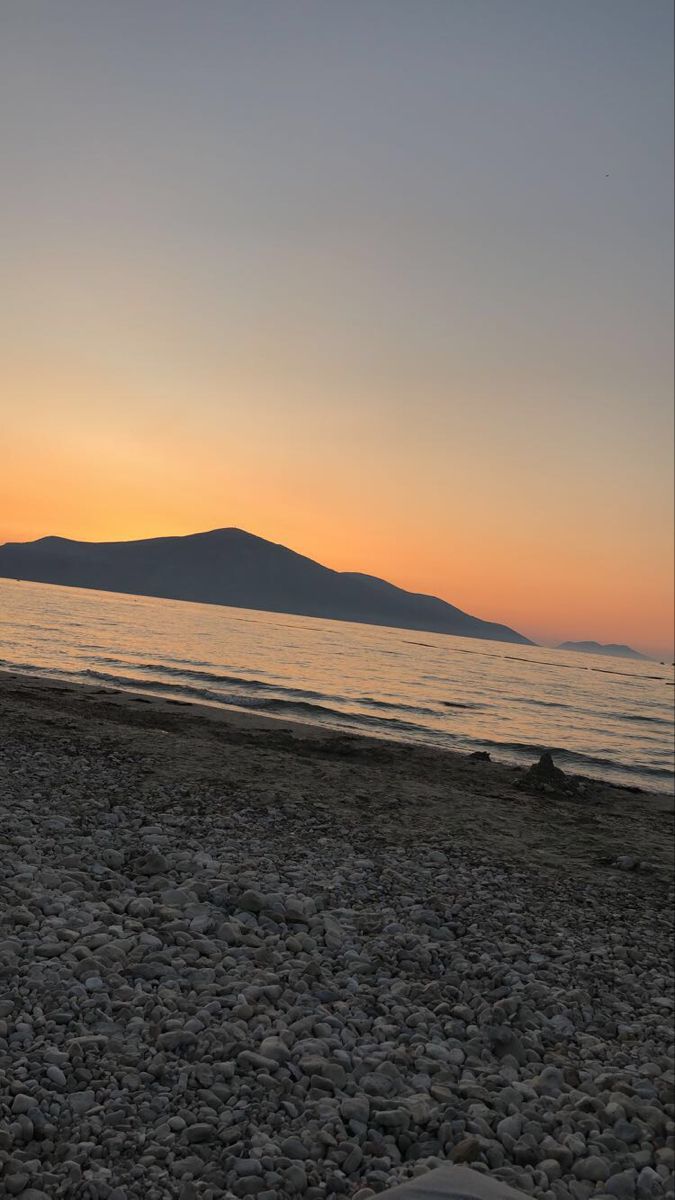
379, 791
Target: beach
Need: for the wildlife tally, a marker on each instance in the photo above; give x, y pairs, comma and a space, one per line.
242, 956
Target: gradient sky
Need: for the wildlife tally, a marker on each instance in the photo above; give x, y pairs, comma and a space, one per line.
389, 281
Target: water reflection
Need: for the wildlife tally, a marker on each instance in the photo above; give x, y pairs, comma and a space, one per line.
614, 722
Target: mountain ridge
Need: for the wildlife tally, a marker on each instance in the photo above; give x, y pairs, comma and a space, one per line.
610, 649
232, 567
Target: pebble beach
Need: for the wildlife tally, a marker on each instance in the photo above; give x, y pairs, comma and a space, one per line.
242, 958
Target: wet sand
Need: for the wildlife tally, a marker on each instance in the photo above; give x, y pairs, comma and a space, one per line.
380, 792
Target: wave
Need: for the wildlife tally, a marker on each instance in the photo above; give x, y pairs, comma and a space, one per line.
259, 685
354, 720
640, 718
210, 677
280, 704
266, 663
397, 707
294, 700
7, 664
598, 713
542, 662
291, 705
625, 674
576, 757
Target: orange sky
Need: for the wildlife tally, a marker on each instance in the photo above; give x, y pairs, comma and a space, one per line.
388, 284
507, 535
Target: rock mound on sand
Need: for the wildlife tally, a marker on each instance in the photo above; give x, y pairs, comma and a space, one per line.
545, 776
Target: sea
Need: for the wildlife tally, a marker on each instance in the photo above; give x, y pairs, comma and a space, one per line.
605, 717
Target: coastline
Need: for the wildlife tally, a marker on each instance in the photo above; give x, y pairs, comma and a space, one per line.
477, 804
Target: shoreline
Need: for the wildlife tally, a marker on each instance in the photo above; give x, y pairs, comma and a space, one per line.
484, 804
502, 753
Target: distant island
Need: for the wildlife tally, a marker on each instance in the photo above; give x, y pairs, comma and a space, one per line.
238, 569
609, 649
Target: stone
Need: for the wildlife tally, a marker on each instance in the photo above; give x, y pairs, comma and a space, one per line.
292, 1147
355, 1108
275, 1048
545, 772
509, 1128
16, 1183
593, 1168
421, 1107
81, 1102
392, 1118
200, 1132
466, 1151
627, 862
296, 1179
622, 1185
650, 1185
153, 863
249, 1185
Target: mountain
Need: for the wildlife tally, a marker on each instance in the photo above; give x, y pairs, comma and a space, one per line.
598, 648
232, 567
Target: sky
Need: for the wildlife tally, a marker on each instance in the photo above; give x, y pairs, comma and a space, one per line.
387, 281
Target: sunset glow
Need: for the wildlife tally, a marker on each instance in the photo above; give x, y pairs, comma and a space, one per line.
236, 302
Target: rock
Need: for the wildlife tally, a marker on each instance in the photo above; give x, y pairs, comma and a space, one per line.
650, 1185
545, 772
153, 863
392, 1118
251, 901
627, 1131
466, 1151
353, 1160
16, 1184
593, 1168
296, 1179
275, 1048
200, 1132
81, 1102
622, 1185
247, 1166
374, 1083
355, 1108
292, 1147
57, 1077
509, 1129
551, 1168
421, 1107
249, 1185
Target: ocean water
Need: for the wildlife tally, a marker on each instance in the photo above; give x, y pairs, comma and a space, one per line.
605, 717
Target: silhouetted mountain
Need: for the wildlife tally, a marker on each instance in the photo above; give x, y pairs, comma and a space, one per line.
598, 648
229, 566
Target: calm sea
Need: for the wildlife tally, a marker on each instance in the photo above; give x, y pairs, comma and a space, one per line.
607, 717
